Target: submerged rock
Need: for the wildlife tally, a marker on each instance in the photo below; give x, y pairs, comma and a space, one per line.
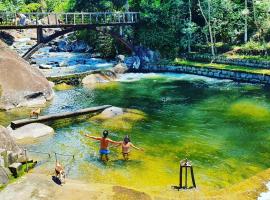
33, 130
20, 82
247, 109
115, 118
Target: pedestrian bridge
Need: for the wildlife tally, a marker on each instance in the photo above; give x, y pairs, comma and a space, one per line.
63, 23
10, 20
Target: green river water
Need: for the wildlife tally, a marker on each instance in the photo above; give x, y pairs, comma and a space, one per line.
222, 126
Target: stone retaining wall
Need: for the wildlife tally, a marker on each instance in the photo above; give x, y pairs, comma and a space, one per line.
230, 61
213, 73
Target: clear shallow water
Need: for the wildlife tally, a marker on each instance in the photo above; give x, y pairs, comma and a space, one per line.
222, 126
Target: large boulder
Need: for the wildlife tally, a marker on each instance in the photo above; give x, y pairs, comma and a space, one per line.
120, 68
146, 55
7, 142
94, 79
31, 131
133, 62
19, 82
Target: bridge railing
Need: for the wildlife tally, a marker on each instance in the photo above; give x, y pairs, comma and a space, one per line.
37, 18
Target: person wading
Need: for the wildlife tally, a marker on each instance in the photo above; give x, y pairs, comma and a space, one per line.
126, 147
104, 145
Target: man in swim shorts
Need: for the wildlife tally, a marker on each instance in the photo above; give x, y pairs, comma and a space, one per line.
104, 145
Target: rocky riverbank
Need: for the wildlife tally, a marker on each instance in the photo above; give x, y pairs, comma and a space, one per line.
21, 84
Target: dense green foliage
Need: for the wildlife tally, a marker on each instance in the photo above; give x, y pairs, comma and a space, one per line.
177, 26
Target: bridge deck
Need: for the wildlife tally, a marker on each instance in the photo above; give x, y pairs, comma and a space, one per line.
45, 118
9, 20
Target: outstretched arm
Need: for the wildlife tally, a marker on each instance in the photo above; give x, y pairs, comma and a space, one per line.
115, 142
132, 145
92, 137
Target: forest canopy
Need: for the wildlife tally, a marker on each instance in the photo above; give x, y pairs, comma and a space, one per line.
178, 26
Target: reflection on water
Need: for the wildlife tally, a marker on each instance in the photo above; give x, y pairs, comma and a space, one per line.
187, 116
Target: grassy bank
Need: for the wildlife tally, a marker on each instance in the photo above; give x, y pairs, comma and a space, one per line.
179, 61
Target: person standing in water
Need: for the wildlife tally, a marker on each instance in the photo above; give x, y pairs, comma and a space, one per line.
126, 147
104, 145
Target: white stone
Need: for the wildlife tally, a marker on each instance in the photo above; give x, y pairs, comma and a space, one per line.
93, 79
33, 102
33, 130
111, 112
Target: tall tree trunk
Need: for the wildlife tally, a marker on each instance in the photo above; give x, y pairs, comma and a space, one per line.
246, 21
189, 34
208, 22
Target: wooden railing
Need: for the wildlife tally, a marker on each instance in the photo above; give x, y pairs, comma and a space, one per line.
39, 19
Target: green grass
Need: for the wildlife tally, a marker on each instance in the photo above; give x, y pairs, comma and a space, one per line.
179, 61
248, 57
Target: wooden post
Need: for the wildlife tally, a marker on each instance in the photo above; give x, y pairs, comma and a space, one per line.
74, 18
180, 178
192, 177
36, 18
66, 19
186, 177
90, 17
25, 154
55, 154
56, 18
15, 18
6, 18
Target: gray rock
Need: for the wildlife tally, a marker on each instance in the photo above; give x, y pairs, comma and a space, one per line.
3, 176
7, 143
120, 68
120, 58
15, 169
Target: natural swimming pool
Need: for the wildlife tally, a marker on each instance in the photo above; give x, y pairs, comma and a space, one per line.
222, 126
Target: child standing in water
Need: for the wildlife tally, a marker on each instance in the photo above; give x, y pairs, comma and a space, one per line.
126, 147
104, 145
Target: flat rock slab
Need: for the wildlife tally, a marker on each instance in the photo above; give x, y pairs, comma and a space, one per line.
33, 130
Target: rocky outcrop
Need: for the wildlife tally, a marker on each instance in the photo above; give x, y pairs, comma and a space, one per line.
7, 142
21, 84
33, 130
120, 68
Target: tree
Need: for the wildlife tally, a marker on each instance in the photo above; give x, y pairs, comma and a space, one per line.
208, 23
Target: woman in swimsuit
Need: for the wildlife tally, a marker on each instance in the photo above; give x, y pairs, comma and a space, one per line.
126, 145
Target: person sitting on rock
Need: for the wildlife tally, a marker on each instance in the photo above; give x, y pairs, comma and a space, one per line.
60, 172
126, 147
104, 145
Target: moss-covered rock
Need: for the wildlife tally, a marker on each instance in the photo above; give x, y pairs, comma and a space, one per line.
247, 109
116, 119
62, 86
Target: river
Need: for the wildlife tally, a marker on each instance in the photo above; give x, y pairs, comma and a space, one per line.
223, 127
